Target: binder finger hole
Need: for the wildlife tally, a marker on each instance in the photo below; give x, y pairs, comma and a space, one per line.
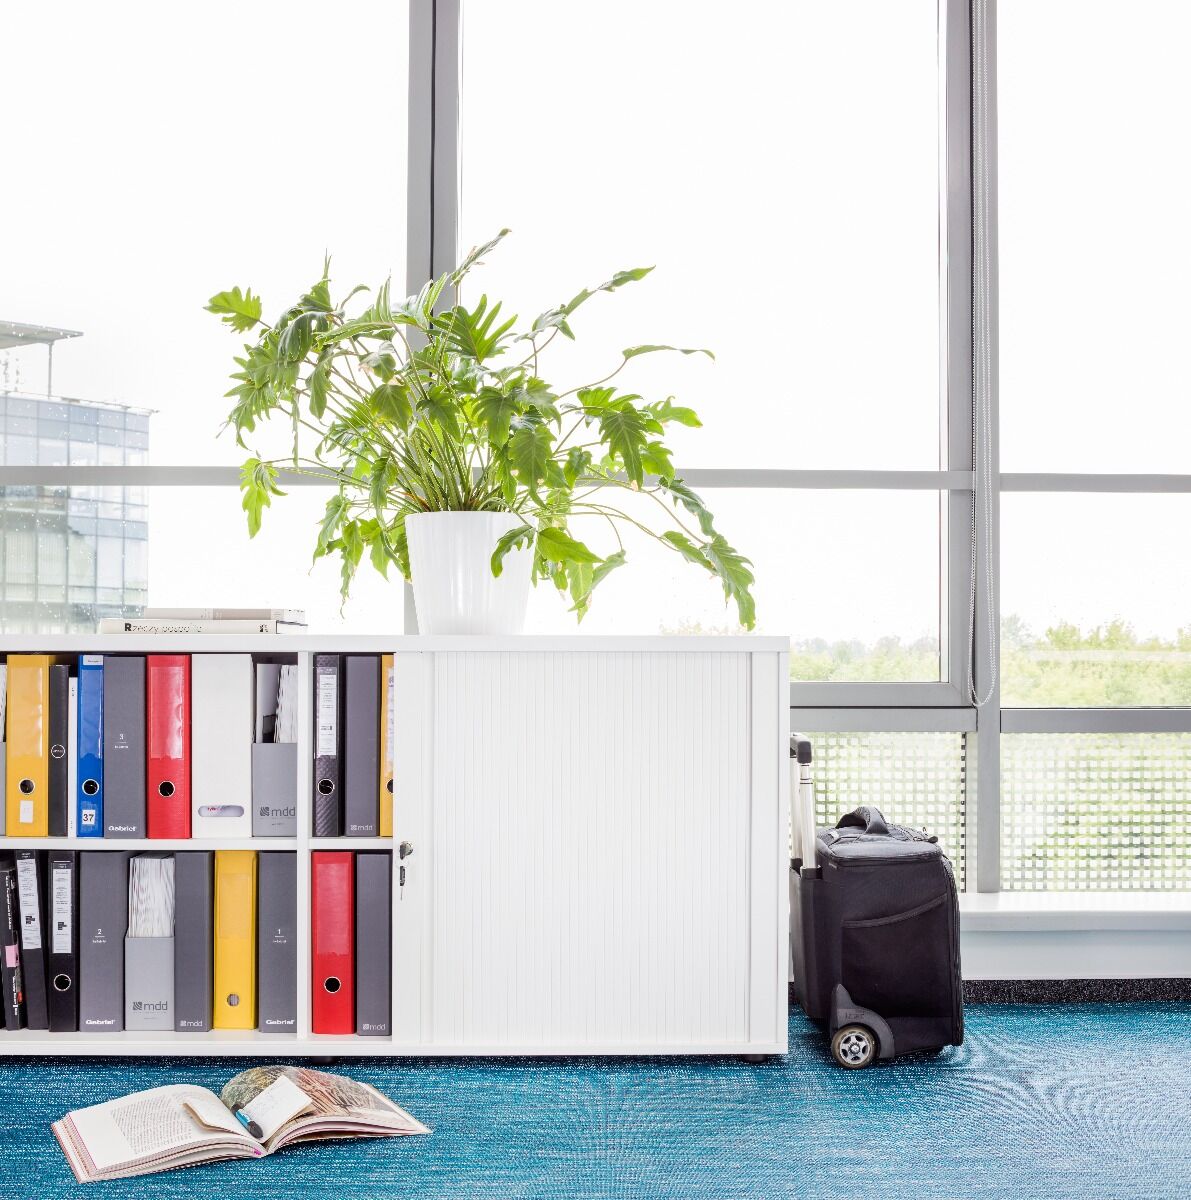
233, 1000
27, 786
165, 789
389, 785
90, 787
325, 787
332, 984
62, 983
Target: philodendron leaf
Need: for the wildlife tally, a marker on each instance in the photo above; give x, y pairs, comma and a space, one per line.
240, 310
390, 402
733, 570
476, 254
318, 386
336, 510
557, 545
691, 502
495, 410
531, 451
518, 538
687, 549
556, 318
623, 429
258, 482
665, 411
637, 351
583, 573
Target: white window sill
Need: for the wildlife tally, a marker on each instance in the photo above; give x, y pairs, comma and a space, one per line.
1042, 912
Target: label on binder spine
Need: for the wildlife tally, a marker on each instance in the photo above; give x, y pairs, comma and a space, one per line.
328, 696
62, 905
30, 912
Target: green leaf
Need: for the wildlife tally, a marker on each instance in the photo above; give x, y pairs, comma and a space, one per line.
557, 545
536, 393
691, 502
474, 257
240, 310
623, 429
495, 410
440, 406
531, 450
337, 508
475, 334
582, 573
687, 549
518, 538
351, 551
258, 482
556, 318
318, 386
577, 464
390, 402
737, 579
383, 476
637, 351
655, 460
665, 412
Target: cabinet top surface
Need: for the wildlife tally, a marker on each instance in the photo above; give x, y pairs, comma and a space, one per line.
284, 643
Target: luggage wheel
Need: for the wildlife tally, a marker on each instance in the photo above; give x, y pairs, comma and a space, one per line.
854, 1047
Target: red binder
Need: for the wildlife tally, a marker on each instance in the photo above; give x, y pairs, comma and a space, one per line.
167, 727
332, 941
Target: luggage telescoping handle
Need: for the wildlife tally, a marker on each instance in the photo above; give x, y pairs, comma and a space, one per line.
865, 817
802, 802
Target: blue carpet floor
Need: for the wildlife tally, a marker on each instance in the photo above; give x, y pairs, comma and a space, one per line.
1060, 1102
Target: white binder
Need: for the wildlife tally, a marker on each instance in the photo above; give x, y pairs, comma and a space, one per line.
221, 731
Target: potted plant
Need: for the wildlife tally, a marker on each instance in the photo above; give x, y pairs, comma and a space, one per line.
452, 457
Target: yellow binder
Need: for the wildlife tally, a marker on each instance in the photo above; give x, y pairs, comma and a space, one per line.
27, 777
387, 700
235, 939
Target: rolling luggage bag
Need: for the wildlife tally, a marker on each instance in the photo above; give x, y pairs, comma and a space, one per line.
874, 932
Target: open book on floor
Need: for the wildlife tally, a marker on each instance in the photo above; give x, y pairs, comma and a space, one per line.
257, 1112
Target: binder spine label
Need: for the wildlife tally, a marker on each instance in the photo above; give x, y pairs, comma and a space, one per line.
30, 909
62, 907
328, 714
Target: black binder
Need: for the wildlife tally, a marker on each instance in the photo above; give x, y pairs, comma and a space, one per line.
31, 901
361, 745
123, 746
328, 745
10, 945
62, 940
59, 767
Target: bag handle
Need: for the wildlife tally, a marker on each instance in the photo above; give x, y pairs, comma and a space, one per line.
866, 818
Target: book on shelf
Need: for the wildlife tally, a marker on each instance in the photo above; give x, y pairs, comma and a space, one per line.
258, 1112
291, 616
186, 626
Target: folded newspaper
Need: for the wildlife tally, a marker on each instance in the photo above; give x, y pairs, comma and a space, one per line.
257, 1112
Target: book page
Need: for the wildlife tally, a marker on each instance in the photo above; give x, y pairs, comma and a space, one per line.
334, 1101
151, 1123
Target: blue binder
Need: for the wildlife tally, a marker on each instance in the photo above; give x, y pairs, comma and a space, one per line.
90, 772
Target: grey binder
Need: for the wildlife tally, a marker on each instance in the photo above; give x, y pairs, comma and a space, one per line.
103, 922
361, 745
275, 789
374, 943
194, 900
277, 942
123, 746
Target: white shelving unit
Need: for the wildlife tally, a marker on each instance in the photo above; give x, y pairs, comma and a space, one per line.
599, 846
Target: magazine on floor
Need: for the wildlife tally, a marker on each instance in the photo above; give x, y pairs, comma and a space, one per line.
259, 1111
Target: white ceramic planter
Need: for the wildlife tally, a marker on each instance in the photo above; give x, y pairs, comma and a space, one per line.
450, 556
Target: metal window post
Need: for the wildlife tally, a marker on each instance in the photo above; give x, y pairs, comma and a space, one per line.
435, 52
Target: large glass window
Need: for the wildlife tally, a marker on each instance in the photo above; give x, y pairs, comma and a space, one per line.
778, 164
1095, 246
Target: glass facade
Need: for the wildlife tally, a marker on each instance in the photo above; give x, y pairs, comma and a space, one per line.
70, 555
